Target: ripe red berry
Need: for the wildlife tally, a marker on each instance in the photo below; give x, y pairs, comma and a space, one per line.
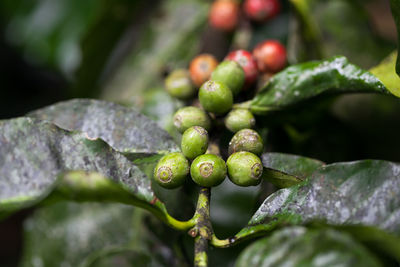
224, 15
270, 56
247, 62
261, 10
201, 68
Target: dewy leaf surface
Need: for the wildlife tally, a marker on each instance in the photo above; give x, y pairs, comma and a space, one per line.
304, 81
299, 246
34, 153
124, 129
285, 170
361, 192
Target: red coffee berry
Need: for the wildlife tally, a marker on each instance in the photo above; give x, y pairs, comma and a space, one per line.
247, 62
224, 15
261, 10
270, 56
201, 68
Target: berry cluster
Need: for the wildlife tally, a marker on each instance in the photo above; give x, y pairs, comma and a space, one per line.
217, 86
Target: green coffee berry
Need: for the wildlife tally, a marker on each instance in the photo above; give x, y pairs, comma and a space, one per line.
244, 168
231, 74
194, 142
239, 119
178, 84
215, 97
171, 170
208, 170
187, 117
246, 140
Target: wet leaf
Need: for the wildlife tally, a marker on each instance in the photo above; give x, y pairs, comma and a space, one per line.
386, 72
361, 192
395, 5
302, 82
124, 129
285, 170
299, 246
33, 154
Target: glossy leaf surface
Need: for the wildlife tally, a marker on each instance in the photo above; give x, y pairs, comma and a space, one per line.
302, 82
124, 129
285, 170
361, 192
33, 154
299, 246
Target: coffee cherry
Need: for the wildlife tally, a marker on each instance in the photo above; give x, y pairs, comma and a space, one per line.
201, 68
239, 119
171, 170
187, 117
248, 64
231, 74
179, 85
261, 10
208, 170
224, 15
244, 168
194, 142
270, 56
246, 140
215, 97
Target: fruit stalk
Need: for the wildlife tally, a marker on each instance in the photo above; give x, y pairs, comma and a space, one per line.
203, 231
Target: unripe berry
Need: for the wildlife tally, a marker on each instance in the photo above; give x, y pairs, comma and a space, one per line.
194, 142
208, 170
187, 117
171, 170
231, 74
201, 68
215, 97
224, 15
239, 119
261, 10
246, 140
179, 85
244, 168
248, 64
270, 56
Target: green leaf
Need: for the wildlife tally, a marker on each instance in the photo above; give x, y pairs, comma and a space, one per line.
299, 246
386, 72
70, 233
361, 192
304, 81
124, 129
34, 153
285, 170
395, 5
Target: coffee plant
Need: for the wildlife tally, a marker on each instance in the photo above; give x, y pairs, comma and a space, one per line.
246, 150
